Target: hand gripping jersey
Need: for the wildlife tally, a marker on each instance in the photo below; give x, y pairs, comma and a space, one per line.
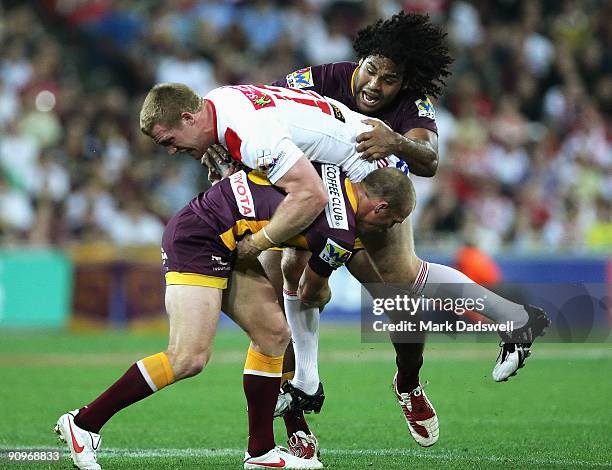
335, 80
269, 128
199, 242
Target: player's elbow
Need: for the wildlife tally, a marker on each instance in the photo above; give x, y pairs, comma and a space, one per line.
429, 167
320, 197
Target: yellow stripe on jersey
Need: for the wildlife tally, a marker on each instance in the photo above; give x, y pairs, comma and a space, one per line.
228, 239
299, 241
348, 186
353, 80
240, 228
358, 245
260, 178
259, 364
195, 279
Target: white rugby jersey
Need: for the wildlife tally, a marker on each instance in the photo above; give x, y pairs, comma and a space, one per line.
269, 128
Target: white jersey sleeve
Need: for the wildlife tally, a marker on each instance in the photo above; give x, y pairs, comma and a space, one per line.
249, 126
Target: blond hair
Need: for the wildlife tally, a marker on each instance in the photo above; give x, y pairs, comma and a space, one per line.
393, 186
164, 105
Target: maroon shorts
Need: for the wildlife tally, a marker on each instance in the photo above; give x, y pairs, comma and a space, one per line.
193, 252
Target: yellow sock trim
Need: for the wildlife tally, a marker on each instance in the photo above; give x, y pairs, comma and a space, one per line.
287, 376
157, 371
259, 364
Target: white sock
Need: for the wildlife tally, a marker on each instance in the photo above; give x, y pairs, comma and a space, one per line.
437, 280
304, 324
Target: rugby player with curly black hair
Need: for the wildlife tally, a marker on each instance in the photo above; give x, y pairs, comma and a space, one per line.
403, 61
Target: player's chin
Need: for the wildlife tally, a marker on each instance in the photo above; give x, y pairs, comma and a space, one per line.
367, 108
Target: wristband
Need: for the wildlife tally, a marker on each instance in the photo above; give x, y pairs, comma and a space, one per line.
265, 234
255, 244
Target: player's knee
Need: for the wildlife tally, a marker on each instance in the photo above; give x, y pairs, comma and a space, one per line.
274, 340
280, 336
292, 266
405, 269
187, 363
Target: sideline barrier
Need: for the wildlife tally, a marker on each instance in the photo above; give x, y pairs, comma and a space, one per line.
107, 286
117, 287
35, 288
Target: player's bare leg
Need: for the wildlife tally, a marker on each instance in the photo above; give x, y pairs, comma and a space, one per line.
252, 304
193, 313
393, 254
394, 257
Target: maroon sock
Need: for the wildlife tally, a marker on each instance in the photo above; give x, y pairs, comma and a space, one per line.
295, 421
409, 359
130, 388
261, 394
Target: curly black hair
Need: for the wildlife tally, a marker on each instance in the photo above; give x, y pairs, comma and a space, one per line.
413, 43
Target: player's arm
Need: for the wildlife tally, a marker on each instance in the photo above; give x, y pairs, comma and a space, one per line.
418, 147
313, 289
305, 199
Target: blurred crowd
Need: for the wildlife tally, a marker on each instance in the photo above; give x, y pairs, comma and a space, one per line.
524, 123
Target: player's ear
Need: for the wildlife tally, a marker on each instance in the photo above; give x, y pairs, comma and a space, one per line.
381, 206
188, 118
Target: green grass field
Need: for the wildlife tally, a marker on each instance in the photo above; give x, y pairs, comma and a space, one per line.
556, 413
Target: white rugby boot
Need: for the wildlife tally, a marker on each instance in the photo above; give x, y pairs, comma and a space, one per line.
83, 444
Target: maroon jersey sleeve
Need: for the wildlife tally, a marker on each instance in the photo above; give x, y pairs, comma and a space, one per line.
330, 250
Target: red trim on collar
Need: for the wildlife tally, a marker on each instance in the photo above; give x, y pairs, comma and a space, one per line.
214, 112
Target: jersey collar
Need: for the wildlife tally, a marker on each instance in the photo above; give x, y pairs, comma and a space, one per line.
353, 80
350, 192
214, 114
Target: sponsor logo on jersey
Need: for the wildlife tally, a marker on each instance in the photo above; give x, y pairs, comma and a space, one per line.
334, 255
242, 194
425, 108
264, 159
257, 97
335, 211
337, 113
300, 78
221, 265
273, 168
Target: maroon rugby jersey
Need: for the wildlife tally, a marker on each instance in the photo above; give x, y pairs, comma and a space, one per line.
335, 80
244, 204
